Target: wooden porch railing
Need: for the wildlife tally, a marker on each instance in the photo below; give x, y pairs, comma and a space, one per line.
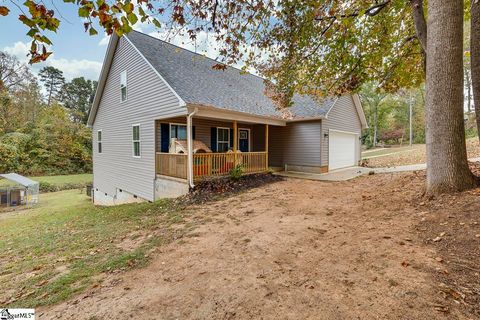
210, 164
172, 165
219, 164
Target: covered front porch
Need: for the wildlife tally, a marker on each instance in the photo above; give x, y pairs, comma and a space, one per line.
212, 146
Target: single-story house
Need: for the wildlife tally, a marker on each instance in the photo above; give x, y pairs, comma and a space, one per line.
156, 101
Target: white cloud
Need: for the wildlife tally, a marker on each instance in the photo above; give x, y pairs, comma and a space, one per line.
104, 41
18, 49
141, 26
76, 68
71, 68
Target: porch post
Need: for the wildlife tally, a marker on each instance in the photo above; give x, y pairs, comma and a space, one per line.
189, 152
266, 146
235, 142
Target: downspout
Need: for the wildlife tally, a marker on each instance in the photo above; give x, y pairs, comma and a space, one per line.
190, 148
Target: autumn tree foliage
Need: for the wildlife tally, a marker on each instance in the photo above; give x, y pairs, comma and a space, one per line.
37, 138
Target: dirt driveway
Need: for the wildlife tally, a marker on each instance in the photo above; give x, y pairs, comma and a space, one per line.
294, 249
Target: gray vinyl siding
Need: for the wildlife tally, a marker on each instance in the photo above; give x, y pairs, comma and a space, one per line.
148, 98
258, 137
344, 117
276, 146
203, 131
296, 144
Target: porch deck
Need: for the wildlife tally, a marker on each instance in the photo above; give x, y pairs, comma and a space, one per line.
210, 164
216, 146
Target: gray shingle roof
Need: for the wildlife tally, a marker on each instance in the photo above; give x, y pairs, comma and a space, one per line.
193, 79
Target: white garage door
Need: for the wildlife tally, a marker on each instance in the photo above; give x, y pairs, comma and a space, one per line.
342, 149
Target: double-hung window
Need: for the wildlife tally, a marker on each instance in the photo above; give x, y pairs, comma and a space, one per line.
223, 139
136, 140
99, 141
123, 85
178, 131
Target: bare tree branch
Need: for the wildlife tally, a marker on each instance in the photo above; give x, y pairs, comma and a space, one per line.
418, 16
371, 12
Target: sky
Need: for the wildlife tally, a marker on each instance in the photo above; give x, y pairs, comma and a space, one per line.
75, 52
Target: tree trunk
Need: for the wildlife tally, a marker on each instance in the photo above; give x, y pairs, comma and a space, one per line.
468, 85
50, 94
375, 126
475, 58
447, 166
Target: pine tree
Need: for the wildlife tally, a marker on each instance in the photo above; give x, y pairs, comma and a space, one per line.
53, 81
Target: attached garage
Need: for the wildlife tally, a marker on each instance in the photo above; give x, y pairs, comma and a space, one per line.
342, 149
320, 145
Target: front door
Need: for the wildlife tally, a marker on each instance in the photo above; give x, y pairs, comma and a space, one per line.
244, 140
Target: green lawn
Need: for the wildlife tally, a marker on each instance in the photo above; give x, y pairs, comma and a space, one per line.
71, 178
390, 151
65, 244
57, 183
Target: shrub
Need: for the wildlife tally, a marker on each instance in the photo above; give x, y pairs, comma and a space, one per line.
236, 172
51, 187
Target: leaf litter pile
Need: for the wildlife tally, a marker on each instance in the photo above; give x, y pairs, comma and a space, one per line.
451, 225
213, 189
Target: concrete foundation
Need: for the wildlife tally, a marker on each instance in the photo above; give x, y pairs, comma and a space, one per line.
307, 169
121, 197
169, 187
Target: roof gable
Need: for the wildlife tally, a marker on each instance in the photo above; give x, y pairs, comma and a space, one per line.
191, 75
192, 79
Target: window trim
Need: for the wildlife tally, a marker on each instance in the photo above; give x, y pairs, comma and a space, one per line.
121, 86
228, 140
100, 142
176, 124
139, 142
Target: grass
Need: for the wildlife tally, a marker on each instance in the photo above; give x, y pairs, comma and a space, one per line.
65, 244
389, 151
58, 183
64, 179
406, 155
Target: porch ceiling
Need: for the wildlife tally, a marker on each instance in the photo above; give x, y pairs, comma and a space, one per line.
208, 112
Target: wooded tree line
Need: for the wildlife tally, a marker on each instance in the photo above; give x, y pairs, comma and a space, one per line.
388, 115
43, 131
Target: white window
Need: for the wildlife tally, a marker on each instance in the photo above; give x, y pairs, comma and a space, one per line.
99, 141
136, 140
178, 131
223, 139
123, 85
